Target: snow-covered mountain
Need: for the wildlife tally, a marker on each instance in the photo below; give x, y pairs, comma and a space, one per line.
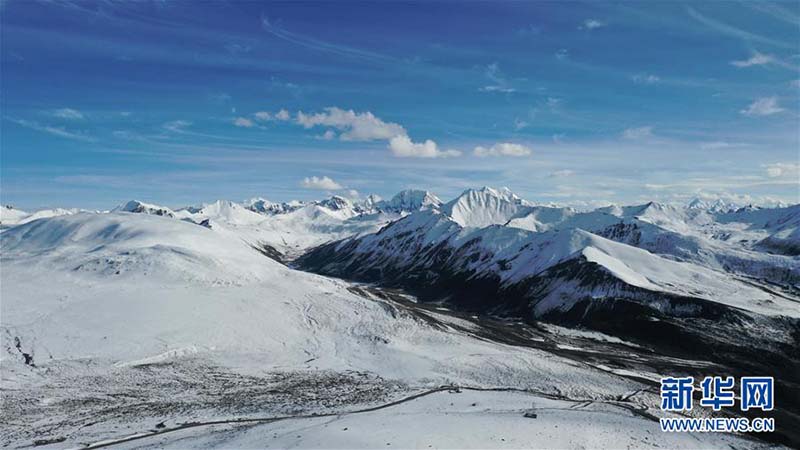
10, 216
618, 270
446, 243
135, 206
264, 206
285, 230
409, 200
484, 207
149, 316
115, 322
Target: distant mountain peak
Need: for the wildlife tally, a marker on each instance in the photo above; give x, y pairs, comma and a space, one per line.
410, 200
717, 205
264, 206
136, 206
336, 203
484, 207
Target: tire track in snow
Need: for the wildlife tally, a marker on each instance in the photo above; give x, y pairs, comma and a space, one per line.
638, 410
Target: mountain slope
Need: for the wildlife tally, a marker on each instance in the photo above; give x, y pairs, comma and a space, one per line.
574, 277
143, 318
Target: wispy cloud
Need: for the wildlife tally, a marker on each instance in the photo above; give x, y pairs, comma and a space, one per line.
591, 24
177, 126
54, 130
758, 59
67, 113
776, 11
321, 183
499, 81
724, 28
503, 149
783, 169
718, 145
562, 173
638, 133
243, 122
644, 78
765, 106
328, 47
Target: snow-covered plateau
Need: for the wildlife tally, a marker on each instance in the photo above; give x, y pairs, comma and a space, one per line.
407, 322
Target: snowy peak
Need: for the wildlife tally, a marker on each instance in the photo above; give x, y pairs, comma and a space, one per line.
336, 203
225, 210
264, 206
11, 216
483, 207
410, 200
715, 206
135, 206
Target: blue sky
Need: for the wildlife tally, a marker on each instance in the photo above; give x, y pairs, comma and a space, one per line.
178, 102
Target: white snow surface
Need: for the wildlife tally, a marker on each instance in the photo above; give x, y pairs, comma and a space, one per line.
483, 207
100, 294
10, 217
468, 420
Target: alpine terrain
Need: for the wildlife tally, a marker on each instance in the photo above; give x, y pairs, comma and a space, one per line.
487, 321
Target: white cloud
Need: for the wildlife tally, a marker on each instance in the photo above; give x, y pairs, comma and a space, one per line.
243, 122
501, 89
764, 106
758, 59
638, 133
220, 97
68, 113
353, 126
643, 78
263, 116
783, 170
266, 116
499, 81
402, 147
591, 24
562, 173
321, 183
503, 149
562, 54
56, 131
553, 102
520, 124
716, 145
176, 126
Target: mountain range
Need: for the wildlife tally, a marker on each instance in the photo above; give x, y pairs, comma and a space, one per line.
147, 315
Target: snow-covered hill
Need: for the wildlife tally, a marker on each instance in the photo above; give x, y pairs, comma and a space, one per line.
135, 206
122, 306
113, 322
10, 216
